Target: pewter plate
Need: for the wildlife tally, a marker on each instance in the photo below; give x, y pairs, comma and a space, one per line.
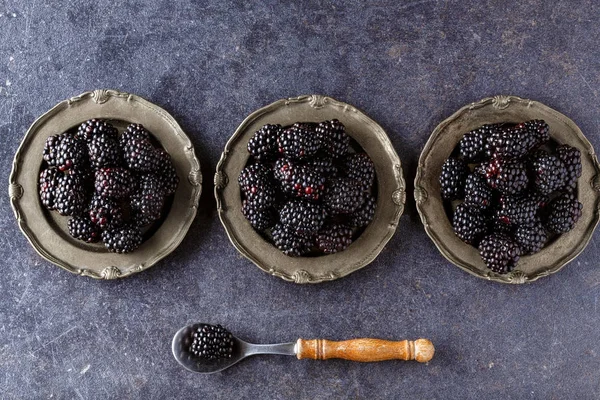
47, 231
390, 193
443, 140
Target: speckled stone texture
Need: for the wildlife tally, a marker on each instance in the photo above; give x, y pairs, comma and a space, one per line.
408, 65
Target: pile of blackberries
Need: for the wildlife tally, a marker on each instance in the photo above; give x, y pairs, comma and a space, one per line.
518, 190
110, 185
306, 189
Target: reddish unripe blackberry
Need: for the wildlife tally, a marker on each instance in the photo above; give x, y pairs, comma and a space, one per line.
94, 127
303, 217
548, 173
499, 252
472, 146
531, 238
343, 196
333, 137
263, 144
452, 179
70, 194
360, 168
333, 238
477, 193
124, 239
363, 214
113, 182
47, 187
105, 212
82, 228
508, 176
298, 142
562, 213
166, 173
299, 180
260, 219
211, 342
571, 158
288, 242
147, 200
469, 224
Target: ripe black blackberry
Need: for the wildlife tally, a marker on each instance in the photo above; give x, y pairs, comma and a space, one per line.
531, 238
562, 213
124, 239
263, 144
515, 141
452, 179
70, 194
333, 238
252, 176
211, 342
323, 166
140, 155
298, 142
477, 193
260, 219
104, 151
333, 137
93, 127
548, 173
499, 252
147, 200
360, 168
364, 214
571, 158
69, 152
472, 146
105, 212
166, 173
302, 217
299, 180
469, 224
47, 186
343, 196
508, 176
83, 229
113, 182
539, 129
518, 210
134, 132
288, 242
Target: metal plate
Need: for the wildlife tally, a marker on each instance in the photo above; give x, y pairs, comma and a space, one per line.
47, 232
390, 193
443, 140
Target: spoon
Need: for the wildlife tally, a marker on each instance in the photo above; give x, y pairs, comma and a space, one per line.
364, 350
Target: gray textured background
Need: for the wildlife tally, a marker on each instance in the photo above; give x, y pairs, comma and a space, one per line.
406, 64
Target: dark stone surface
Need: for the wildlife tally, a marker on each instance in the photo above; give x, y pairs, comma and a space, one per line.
408, 65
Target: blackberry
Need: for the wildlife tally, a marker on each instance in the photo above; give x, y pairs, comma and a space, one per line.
333, 238
263, 144
49, 152
548, 173
360, 168
96, 127
508, 176
298, 142
113, 182
495, 225
167, 173
134, 132
562, 213
147, 200
211, 342
515, 141
477, 193
105, 212
343, 196
539, 129
469, 224
256, 183
531, 238
333, 137
302, 217
70, 194
83, 229
124, 239
47, 187
364, 214
140, 155
104, 151
253, 176
518, 210
499, 252
472, 146
452, 179
288, 242
571, 158
323, 166
299, 180
260, 219
70, 152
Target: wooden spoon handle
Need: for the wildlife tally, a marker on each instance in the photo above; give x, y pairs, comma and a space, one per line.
365, 350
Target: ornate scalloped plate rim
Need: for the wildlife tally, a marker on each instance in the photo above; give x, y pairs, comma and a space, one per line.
301, 276
502, 102
101, 96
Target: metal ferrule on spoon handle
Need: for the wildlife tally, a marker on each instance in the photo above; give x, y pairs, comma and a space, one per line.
365, 350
